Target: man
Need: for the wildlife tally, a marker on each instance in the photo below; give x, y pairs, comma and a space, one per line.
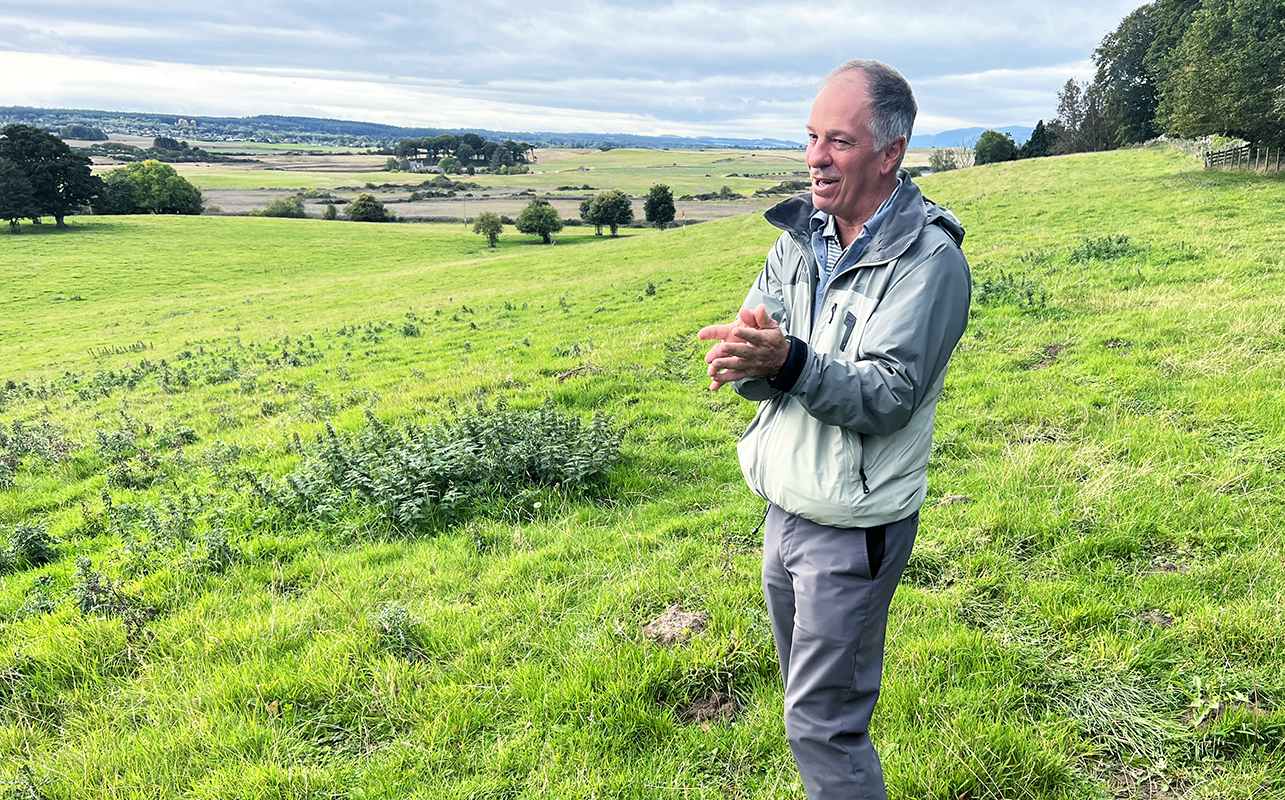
843, 341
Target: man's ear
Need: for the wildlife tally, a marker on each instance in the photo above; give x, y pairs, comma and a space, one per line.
892, 155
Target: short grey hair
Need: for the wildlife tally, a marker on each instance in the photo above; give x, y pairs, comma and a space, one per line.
892, 103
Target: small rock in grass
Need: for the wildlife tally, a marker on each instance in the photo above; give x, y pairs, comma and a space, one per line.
952, 499
675, 625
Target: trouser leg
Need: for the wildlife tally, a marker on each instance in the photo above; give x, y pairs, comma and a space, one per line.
829, 617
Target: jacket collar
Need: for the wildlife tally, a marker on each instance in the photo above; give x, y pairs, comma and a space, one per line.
910, 212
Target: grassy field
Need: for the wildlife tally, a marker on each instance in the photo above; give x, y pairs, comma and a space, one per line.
1095, 607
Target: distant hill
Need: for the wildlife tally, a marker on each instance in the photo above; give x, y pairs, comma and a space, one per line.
345, 133
967, 137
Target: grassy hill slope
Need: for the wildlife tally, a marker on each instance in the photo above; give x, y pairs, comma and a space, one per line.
1094, 606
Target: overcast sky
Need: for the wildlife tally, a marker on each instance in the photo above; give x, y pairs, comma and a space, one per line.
744, 69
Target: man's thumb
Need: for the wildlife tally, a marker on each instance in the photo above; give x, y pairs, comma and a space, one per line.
764, 319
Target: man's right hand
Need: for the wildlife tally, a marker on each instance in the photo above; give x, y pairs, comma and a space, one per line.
751, 347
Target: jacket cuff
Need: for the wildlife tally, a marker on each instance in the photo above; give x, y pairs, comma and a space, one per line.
793, 367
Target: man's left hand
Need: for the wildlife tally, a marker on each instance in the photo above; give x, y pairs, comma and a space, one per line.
752, 347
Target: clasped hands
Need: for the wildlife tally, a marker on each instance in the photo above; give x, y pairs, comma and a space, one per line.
751, 347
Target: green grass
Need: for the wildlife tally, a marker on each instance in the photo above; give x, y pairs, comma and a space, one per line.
1108, 456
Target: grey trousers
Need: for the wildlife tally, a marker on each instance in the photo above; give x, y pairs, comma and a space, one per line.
829, 613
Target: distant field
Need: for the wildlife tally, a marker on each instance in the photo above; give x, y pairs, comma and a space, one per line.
1095, 607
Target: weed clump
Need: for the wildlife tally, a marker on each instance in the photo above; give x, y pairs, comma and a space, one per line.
95, 593
24, 786
30, 546
419, 477
1106, 248
1009, 289
398, 630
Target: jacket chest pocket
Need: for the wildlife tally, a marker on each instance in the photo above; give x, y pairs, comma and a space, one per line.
842, 323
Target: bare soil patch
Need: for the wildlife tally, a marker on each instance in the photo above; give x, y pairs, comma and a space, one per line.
1161, 619
1050, 355
718, 707
675, 625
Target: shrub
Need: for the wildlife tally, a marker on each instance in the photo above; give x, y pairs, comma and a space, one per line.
397, 629
418, 477
290, 207
30, 546
365, 208
331, 212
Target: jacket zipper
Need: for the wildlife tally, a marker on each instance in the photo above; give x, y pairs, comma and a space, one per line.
861, 468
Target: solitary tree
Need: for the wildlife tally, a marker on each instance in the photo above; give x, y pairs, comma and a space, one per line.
611, 208
16, 198
539, 217
61, 181
993, 147
489, 225
331, 212
659, 206
365, 208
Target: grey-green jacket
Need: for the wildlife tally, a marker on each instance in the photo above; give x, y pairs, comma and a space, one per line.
842, 434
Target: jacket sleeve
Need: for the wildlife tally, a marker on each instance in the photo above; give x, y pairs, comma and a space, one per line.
767, 290
904, 349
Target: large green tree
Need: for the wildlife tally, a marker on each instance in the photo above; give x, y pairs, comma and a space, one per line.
148, 187
1229, 73
540, 218
658, 207
1170, 20
1126, 79
611, 208
17, 201
993, 147
61, 181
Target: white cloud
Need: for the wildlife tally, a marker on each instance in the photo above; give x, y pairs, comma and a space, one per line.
692, 67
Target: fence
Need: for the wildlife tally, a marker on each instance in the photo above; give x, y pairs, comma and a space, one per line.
1245, 157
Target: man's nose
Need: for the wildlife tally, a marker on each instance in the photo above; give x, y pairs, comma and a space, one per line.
818, 155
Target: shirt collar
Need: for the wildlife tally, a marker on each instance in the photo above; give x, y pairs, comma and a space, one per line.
826, 224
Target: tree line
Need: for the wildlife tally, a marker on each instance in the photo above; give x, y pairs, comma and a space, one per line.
1181, 68
466, 153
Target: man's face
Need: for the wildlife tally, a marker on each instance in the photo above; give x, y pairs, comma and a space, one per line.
846, 170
